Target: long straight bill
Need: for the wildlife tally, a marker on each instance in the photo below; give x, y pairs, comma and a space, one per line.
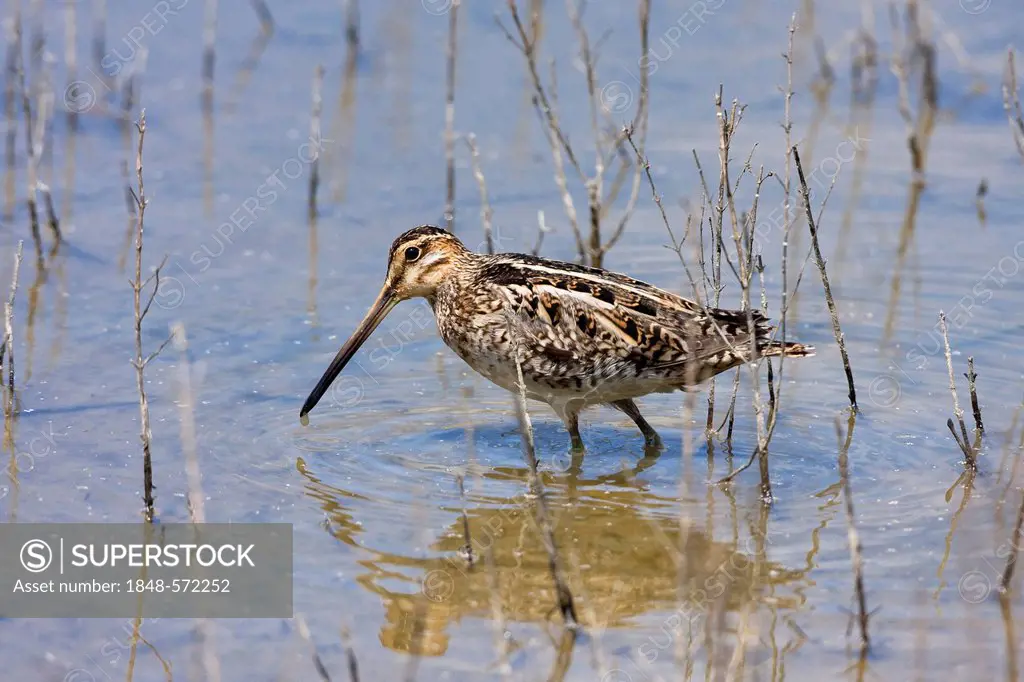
378, 311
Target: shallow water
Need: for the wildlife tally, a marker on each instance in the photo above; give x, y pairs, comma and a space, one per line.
370, 484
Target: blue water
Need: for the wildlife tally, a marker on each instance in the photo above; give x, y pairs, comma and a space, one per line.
370, 485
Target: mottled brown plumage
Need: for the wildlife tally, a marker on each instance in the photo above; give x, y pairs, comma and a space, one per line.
582, 336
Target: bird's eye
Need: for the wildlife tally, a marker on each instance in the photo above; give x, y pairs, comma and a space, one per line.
412, 253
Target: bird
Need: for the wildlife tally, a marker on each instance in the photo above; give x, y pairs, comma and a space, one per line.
580, 336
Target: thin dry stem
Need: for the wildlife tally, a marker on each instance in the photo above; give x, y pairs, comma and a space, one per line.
8, 344
787, 219
829, 300
140, 361
451, 53
972, 378
957, 412
485, 205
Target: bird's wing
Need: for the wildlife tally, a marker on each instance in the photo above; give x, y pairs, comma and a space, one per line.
580, 320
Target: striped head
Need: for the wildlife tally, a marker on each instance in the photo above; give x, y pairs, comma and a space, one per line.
419, 262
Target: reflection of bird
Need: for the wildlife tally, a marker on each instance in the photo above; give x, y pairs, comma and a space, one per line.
582, 336
629, 536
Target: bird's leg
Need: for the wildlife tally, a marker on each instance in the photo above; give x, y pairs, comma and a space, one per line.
651, 437
571, 418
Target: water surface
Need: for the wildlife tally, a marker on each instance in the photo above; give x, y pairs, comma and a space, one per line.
370, 485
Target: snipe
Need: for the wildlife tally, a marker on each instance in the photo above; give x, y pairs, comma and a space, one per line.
583, 336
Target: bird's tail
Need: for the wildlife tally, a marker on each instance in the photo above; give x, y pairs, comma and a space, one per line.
790, 349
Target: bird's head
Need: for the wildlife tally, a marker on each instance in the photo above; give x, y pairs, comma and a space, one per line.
419, 262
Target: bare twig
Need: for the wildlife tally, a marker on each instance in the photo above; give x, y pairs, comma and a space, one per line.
485, 205
451, 53
833, 312
640, 119
138, 285
787, 187
8, 344
964, 446
972, 378
957, 412
593, 250
677, 244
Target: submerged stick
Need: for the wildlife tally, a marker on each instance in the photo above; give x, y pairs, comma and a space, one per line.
829, 300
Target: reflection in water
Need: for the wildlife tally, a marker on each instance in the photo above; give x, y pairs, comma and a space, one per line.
622, 544
343, 125
256, 50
